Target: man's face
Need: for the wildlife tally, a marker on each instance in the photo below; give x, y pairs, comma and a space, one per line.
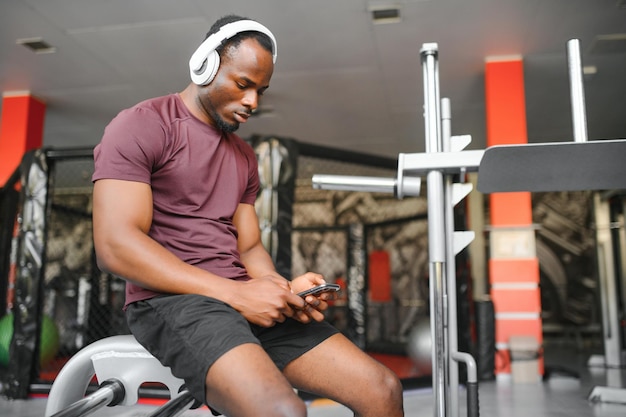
244, 74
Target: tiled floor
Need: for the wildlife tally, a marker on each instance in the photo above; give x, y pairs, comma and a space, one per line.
559, 395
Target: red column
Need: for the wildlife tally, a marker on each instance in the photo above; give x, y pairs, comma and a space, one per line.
21, 130
513, 264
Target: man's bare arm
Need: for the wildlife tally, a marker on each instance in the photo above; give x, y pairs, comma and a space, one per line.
259, 263
122, 215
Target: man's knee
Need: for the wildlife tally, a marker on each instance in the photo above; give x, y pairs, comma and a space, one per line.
293, 406
390, 394
395, 389
271, 406
391, 383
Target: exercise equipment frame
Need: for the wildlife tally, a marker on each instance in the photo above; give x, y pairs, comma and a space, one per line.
581, 165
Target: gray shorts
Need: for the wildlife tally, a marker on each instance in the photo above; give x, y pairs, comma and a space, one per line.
189, 333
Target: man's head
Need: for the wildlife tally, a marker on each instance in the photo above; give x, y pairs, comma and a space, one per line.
231, 69
225, 34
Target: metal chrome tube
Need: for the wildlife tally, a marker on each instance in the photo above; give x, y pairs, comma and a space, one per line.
472, 382
577, 90
409, 185
436, 228
93, 402
175, 406
432, 118
440, 391
607, 278
354, 183
450, 285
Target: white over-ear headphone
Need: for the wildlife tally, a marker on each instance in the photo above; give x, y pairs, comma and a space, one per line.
205, 61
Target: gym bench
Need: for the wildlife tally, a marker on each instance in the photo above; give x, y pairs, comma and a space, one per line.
120, 365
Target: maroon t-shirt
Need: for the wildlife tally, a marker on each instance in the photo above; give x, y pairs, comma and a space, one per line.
198, 176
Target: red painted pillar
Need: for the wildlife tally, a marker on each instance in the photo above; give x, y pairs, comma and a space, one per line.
513, 263
21, 130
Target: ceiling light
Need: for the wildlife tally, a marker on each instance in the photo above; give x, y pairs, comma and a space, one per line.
590, 70
37, 45
385, 14
608, 44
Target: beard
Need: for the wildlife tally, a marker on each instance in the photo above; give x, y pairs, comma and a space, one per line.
224, 125
220, 123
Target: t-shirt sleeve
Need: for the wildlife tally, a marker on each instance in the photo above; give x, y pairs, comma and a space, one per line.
254, 184
131, 147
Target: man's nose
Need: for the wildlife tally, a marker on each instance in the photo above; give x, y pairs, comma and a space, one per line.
251, 100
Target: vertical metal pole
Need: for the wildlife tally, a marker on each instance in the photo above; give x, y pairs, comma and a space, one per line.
621, 221
30, 252
450, 295
606, 267
608, 283
577, 90
357, 299
436, 228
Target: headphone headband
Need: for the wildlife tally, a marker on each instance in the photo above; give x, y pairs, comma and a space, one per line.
205, 60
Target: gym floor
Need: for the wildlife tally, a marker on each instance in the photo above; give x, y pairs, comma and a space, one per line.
564, 392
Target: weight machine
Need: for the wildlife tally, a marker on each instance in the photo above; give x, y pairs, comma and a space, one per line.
537, 167
443, 159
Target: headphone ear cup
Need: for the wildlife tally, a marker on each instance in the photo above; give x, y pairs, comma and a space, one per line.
205, 75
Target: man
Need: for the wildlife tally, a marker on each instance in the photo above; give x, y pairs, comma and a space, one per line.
174, 216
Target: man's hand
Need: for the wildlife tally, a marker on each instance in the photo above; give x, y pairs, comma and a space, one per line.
266, 301
315, 304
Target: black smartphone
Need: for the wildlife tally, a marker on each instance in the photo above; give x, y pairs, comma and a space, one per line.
319, 289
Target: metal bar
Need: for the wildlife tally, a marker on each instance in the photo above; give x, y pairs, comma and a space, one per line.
28, 285
175, 406
69, 153
440, 391
577, 90
354, 183
450, 284
357, 295
436, 228
621, 254
608, 283
93, 402
399, 187
430, 68
419, 164
472, 381
468, 360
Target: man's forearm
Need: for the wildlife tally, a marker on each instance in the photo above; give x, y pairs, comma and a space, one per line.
258, 262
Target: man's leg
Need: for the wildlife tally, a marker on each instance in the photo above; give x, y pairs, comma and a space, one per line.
339, 370
211, 346
245, 382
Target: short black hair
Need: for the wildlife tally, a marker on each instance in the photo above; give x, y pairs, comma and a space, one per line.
234, 42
